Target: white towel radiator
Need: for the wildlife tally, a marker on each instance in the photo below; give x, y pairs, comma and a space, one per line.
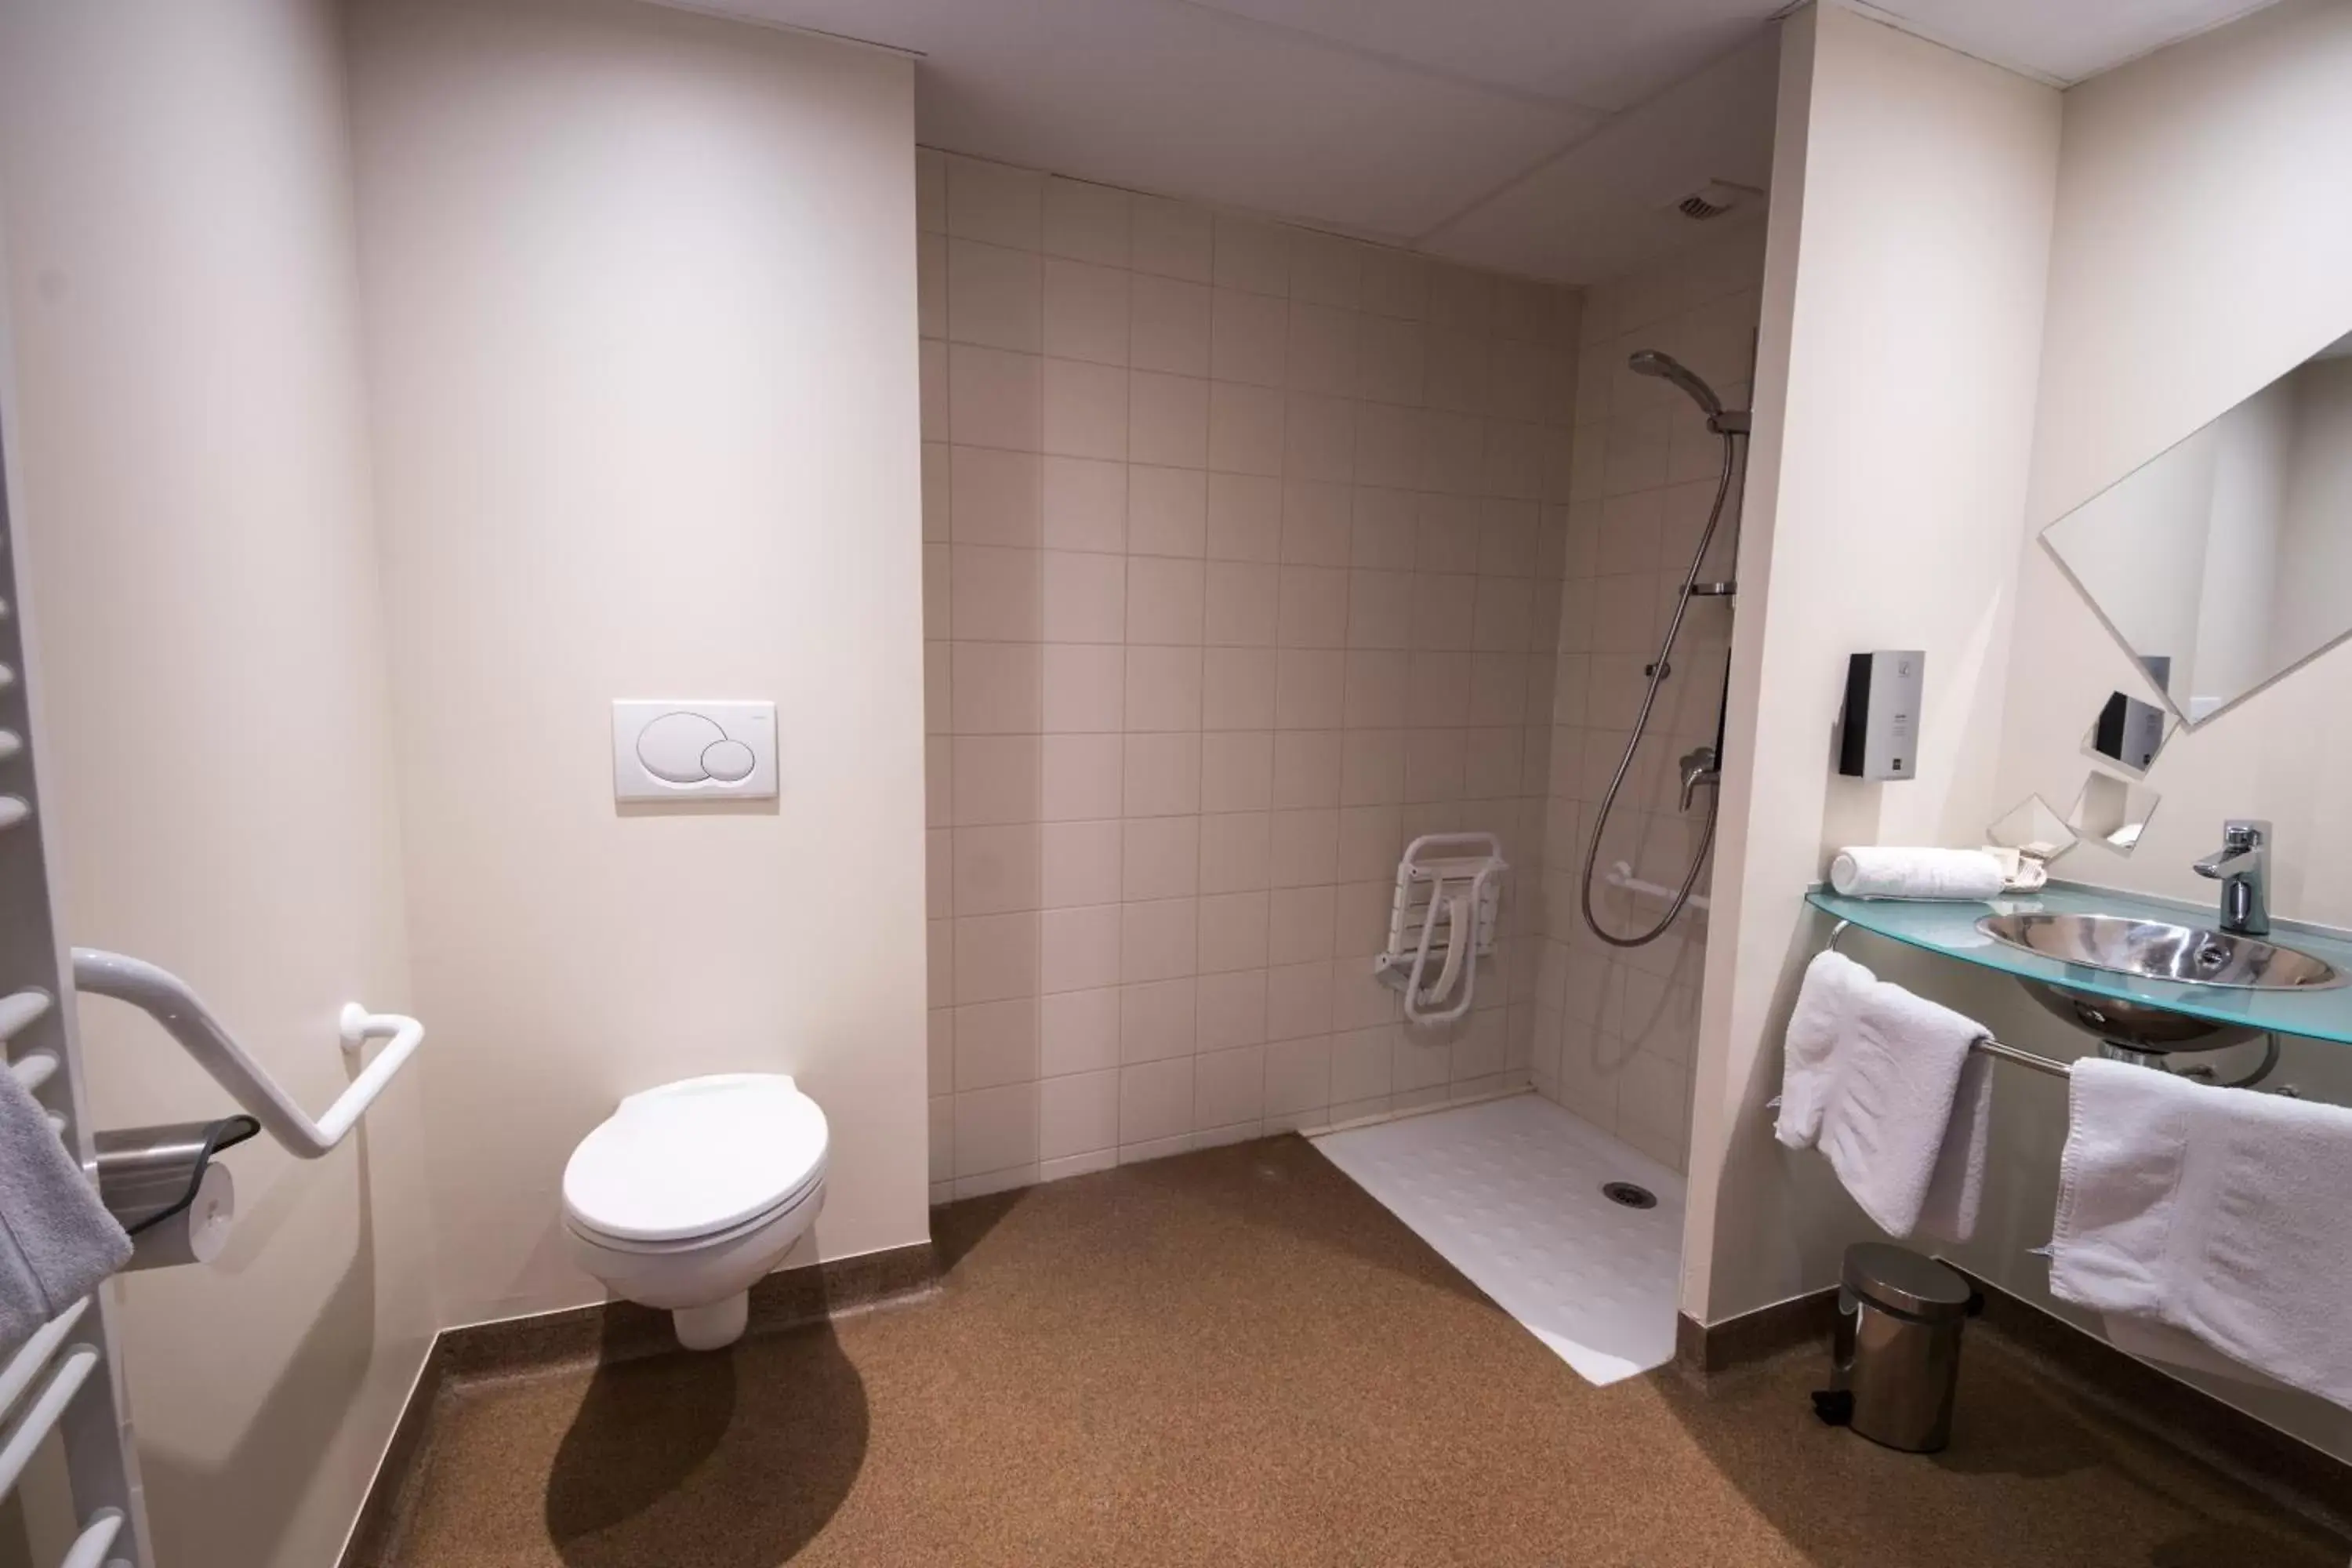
68, 1378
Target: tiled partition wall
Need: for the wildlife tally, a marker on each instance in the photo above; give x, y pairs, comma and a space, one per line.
1616, 1028
1240, 574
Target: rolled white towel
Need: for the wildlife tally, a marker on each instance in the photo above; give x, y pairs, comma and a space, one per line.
1884, 871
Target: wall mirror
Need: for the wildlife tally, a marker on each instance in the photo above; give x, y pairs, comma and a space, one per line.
2226, 560
2128, 732
2033, 825
2111, 812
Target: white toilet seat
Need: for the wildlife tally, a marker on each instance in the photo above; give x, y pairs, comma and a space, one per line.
811, 1188
690, 1162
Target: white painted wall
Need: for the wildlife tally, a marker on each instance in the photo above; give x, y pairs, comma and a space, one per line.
2185, 274
189, 427
640, 296
2184, 277
1903, 294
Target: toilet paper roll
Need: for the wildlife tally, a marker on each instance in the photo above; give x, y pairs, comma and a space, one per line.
196, 1233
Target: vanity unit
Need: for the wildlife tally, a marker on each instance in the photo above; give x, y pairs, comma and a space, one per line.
2148, 978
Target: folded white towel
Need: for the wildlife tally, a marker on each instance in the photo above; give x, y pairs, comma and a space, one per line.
1884, 871
2218, 1212
1895, 1078
56, 1240
1955, 1188
1834, 988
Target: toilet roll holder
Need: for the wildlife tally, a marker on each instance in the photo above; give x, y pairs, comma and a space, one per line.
162, 1185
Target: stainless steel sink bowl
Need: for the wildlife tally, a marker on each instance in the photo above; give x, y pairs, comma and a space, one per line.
2154, 950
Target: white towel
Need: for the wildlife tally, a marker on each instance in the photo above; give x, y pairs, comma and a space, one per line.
56, 1240
1883, 871
2220, 1213
1894, 1082
1955, 1188
2155, 1342
1834, 988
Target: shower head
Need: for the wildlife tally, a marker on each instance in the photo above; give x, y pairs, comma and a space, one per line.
1720, 419
1650, 362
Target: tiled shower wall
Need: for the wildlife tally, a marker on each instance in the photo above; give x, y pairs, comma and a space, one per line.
1243, 554
1617, 1027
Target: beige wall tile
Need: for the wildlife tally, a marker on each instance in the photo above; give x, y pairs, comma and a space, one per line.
1077, 1031
1171, 239
994, 296
1164, 601
1236, 770
1245, 428
1085, 311
1168, 420
1234, 852
1158, 941
1079, 863
1245, 516
1167, 510
996, 497
994, 202
1163, 775
1155, 1100
1248, 336
1164, 689
1233, 929
1086, 222
1252, 254
1237, 689
1169, 325
1084, 597
1161, 858
1086, 410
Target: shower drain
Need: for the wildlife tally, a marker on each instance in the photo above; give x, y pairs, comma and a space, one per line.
1627, 1194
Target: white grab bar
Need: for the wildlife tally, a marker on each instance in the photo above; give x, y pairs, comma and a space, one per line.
1621, 875
165, 997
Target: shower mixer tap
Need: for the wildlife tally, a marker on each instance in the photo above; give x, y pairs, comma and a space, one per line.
1699, 765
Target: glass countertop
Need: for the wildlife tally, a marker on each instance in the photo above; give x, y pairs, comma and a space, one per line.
1950, 929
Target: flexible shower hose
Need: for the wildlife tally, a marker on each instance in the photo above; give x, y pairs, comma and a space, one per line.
1640, 725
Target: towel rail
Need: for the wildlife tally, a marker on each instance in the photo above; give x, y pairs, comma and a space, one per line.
34, 1069
88, 1550
34, 1353
1986, 1045
20, 1010
61, 1390
40, 1417
166, 998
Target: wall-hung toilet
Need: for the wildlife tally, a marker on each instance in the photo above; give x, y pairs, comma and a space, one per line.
689, 1193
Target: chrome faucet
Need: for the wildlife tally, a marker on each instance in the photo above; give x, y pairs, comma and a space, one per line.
1698, 767
2243, 866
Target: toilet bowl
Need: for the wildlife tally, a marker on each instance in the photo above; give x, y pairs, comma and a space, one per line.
689, 1193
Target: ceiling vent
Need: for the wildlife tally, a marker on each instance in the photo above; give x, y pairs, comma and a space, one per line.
1714, 199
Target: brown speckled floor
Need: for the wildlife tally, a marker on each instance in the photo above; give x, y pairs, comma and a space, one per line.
1238, 1357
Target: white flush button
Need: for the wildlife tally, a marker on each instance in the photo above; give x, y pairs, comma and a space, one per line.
671, 747
669, 750
728, 762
